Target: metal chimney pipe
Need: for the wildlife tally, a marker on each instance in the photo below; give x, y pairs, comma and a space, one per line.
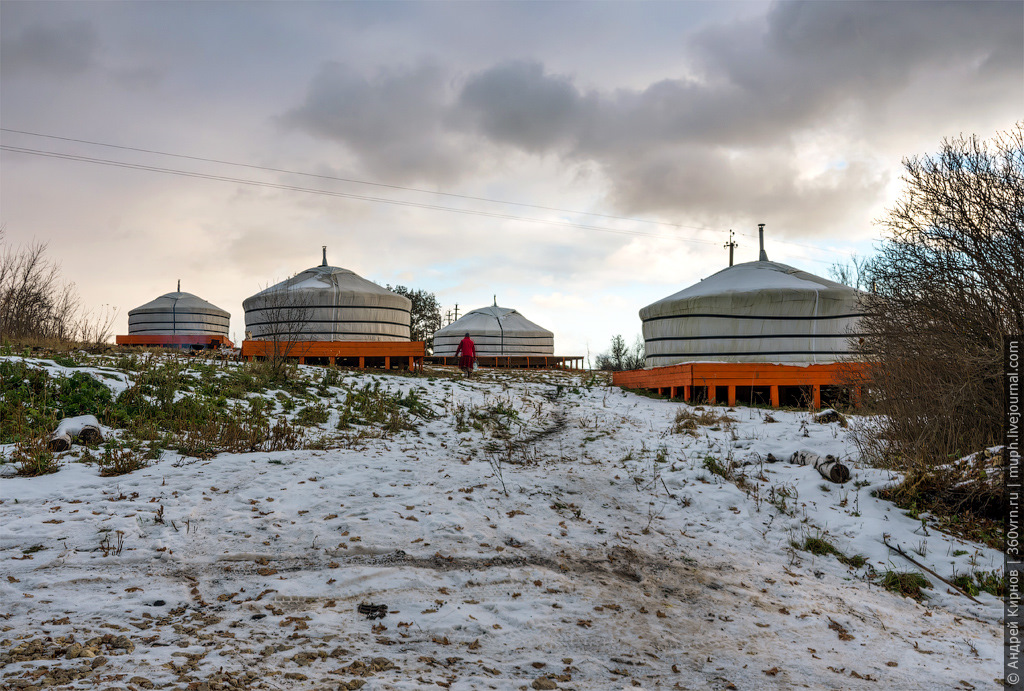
763, 256
325, 255
179, 285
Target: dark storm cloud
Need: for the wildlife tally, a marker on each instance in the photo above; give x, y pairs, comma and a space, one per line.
395, 121
517, 104
724, 133
60, 48
760, 84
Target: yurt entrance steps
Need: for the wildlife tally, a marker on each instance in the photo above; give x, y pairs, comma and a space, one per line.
750, 382
361, 354
572, 362
195, 341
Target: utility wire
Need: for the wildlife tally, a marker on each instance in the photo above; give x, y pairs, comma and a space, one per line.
329, 193
360, 182
374, 184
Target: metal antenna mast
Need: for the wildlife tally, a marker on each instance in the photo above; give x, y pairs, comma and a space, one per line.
731, 245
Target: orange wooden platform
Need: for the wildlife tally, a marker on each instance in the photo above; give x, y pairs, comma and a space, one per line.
573, 362
169, 341
359, 353
676, 380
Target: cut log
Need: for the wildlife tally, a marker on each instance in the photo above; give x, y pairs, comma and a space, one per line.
829, 466
829, 416
85, 428
59, 442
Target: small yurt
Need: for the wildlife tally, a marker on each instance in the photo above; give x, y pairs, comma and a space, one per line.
495, 331
327, 303
759, 311
178, 314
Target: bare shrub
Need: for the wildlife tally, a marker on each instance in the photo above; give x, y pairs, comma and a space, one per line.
121, 459
948, 290
33, 457
34, 302
283, 320
38, 306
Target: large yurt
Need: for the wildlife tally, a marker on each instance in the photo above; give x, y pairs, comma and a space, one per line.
495, 331
759, 311
178, 314
327, 303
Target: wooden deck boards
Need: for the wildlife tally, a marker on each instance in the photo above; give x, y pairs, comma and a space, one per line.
171, 341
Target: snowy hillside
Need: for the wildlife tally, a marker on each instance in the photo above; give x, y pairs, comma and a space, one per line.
523, 530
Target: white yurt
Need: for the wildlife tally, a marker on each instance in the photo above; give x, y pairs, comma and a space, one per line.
495, 331
327, 303
759, 311
178, 314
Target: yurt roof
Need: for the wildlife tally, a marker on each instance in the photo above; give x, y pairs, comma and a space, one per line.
753, 278
332, 278
179, 302
487, 318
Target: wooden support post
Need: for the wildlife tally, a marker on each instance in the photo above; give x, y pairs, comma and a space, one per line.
331, 360
412, 365
858, 394
687, 393
711, 393
775, 395
362, 361
302, 360
673, 391
387, 362
731, 396
816, 394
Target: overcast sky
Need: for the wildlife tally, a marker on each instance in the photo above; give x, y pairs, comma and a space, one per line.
610, 147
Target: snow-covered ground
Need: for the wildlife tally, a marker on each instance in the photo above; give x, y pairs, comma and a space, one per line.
593, 549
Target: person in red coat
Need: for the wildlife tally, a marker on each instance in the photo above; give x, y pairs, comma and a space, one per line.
466, 352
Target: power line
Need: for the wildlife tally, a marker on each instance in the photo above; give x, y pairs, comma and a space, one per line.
369, 183
358, 182
329, 193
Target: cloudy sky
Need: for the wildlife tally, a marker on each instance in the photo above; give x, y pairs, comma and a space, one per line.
578, 160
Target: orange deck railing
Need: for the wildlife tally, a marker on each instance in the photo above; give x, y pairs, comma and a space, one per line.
572, 362
359, 353
680, 380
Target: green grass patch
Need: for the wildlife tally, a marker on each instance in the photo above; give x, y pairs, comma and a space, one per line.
906, 583
819, 546
716, 467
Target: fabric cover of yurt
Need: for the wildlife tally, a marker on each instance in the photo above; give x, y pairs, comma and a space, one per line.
495, 331
327, 303
759, 311
178, 314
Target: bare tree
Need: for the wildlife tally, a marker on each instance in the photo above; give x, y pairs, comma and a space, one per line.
856, 273
35, 303
282, 318
948, 290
